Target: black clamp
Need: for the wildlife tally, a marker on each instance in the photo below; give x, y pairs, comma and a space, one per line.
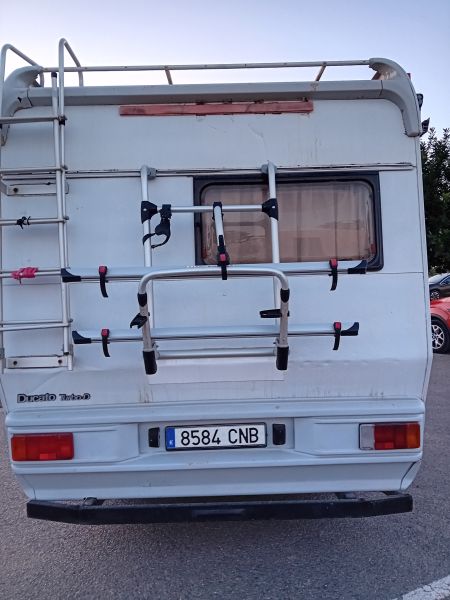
148, 210
105, 338
223, 260
102, 271
360, 269
337, 326
271, 313
163, 228
270, 208
138, 321
23, 221
334, 273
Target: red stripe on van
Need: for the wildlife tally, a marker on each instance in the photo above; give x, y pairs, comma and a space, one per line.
215, 108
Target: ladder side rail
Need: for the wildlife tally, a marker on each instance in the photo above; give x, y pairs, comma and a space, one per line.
146, 174
270, 170
58, 140
63, 44
27, 59
146, 223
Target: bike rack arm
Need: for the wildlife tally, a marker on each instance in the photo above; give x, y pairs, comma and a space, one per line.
142, 320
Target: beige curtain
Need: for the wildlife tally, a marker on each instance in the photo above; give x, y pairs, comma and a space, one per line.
318, 221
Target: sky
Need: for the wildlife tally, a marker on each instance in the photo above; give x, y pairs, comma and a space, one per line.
414, 33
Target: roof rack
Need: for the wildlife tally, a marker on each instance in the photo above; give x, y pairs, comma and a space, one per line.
167, 69
389, 82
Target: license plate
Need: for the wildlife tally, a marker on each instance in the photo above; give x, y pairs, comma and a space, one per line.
210, 437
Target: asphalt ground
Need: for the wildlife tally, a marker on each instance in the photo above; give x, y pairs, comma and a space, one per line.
378, 558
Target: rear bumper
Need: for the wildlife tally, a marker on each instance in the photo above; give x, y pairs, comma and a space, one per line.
93, 512
114, 458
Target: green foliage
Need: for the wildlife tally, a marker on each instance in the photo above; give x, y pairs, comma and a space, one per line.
436, 187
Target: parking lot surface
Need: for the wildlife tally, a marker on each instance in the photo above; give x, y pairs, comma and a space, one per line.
378, 558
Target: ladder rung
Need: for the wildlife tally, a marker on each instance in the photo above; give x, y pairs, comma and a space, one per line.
7, 274
13, 120
30, 170
43, 321
36, 325
202, 333
217, 353
37, 362
31, 221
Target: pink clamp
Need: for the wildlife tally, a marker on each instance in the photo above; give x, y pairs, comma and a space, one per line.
25, 273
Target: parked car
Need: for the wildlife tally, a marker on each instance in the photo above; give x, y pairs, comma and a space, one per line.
440, 325
439, 286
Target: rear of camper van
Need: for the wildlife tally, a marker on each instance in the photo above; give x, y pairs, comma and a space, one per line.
199, 291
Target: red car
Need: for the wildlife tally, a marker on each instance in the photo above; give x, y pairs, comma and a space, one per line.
440, 325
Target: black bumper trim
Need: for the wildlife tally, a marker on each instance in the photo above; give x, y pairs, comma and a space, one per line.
249, 510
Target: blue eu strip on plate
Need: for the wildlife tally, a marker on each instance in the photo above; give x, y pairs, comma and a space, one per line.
170, 437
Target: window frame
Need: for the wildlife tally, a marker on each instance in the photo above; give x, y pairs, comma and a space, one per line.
371, 178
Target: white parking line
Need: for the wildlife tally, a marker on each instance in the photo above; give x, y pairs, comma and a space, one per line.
438, 590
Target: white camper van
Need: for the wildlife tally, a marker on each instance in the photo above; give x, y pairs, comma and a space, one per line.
200, 291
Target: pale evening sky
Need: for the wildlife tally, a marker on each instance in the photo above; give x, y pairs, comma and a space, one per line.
412, 32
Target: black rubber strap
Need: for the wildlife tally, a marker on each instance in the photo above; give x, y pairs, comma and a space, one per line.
337, 326
67, 276
164, 226
222, 258
150, 365
353, 330
360, 269
282, 358
138, 321
80, 339
105, 338
334, 273
23, 221
271, 313
102, 271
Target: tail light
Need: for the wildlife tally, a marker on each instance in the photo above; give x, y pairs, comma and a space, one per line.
389, 436
42, 446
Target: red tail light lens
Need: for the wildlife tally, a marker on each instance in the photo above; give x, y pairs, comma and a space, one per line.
42, 446
389, 436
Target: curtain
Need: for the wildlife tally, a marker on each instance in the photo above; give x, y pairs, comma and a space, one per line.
317, 221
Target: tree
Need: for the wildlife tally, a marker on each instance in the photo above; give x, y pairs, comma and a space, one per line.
436, 187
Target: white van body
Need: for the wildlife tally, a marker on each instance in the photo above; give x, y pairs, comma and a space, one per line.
216, 365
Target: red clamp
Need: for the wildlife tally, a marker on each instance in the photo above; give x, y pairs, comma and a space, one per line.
102, 270
105, 338
337, 326
24, 273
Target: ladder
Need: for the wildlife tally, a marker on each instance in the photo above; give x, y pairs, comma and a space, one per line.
58, 171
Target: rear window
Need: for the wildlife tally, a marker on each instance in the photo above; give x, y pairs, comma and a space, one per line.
318, 220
